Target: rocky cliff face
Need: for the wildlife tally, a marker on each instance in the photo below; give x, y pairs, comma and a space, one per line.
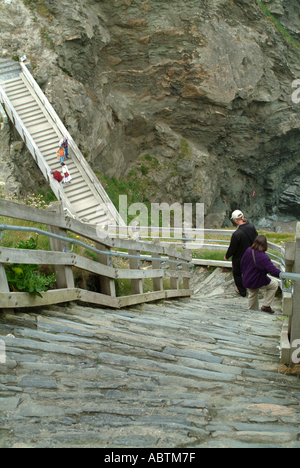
195, 96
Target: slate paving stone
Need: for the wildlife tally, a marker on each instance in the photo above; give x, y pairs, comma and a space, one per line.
38, 381
41, 411
198, 372
9, 404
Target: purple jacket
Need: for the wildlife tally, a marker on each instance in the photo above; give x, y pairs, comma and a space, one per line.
256, 277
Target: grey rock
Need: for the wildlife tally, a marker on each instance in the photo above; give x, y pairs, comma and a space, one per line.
9, 404
38, 381
40, 411
39, 346
135, 441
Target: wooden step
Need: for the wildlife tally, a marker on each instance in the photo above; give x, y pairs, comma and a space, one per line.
44, 137
23, 102
13, 86
37, 118
83, 204
29, 110
35, 122
18, 94
78, 193
42, 132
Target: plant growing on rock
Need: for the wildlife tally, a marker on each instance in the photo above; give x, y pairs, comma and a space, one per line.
28, 278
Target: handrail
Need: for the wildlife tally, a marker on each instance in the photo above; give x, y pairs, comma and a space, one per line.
75, 150
160, 229
174, 230
4, 227
290, 276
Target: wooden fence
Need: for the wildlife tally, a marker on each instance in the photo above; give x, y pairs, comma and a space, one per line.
64, 261
164, 261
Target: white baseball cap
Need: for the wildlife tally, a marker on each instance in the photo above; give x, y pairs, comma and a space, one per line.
237, 215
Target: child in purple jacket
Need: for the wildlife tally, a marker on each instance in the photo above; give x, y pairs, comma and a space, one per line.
255, 266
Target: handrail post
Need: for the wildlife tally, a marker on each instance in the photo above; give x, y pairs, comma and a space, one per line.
136, 284
65, 278
107, 285
295, 323
186, 279
287, 299
174, 281
158, 284
4, 288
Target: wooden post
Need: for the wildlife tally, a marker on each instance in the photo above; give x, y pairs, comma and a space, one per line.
174, 281
289, 258
186, 281
4, 287
158, 284
295, 323
64, 278
136, 285
108, 286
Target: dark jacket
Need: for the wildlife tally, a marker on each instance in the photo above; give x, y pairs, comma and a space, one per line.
243, 238
255, 277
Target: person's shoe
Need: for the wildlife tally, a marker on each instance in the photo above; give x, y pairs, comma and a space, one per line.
267, 309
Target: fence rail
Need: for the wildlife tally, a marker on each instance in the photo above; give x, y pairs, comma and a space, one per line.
194, 238
165, 263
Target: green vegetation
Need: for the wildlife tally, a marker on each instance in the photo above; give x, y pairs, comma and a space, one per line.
217, 255
185, 150
47, 38
44, 198
278, 26
136, 188
278, 238
28, 278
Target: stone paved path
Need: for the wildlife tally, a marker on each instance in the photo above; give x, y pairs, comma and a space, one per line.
198, 372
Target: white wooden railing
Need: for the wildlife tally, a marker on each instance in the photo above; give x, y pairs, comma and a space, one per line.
34, 150
88, 174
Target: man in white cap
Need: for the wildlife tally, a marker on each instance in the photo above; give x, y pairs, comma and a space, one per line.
241, 240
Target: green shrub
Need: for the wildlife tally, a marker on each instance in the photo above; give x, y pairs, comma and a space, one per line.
27, 278
279, 26
30, 244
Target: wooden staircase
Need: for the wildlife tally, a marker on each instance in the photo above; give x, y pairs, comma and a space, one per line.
87, 199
